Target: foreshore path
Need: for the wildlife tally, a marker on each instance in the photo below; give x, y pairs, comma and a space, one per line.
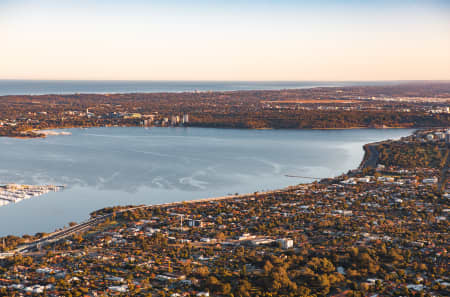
371, 156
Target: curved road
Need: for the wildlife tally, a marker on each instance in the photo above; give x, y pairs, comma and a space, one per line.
371, 156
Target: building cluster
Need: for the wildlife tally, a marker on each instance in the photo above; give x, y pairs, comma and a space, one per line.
408, 105
435, 135
355, 105
153, 119
174, 120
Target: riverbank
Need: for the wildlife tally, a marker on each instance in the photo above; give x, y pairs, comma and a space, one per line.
202, 200
331, 108
132, 166
43, 133
253, 237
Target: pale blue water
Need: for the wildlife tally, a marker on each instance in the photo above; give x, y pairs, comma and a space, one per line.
120, 166
38, 87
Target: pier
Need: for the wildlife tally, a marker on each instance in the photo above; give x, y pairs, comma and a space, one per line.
307, 177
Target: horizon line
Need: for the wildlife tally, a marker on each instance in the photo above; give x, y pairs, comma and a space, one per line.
226, 80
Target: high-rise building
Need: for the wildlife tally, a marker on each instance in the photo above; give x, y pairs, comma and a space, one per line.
185, 118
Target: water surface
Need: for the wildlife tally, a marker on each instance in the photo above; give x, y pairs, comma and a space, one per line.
121, 166
40, 87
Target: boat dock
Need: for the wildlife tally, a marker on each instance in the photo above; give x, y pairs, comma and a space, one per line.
13, 193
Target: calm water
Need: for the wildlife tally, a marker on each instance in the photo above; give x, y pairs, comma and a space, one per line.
120, 166
38, 87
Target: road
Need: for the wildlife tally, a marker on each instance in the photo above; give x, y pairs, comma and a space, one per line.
370, 157
444, 172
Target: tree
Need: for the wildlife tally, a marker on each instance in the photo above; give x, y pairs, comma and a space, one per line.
268, 267
202, 271
244, 288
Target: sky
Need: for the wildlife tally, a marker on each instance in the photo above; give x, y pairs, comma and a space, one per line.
225, 40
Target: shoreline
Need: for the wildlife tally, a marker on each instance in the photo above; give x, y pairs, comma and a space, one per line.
40, 133
256, 194
315, 84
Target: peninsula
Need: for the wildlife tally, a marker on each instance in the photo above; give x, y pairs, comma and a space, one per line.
407, 105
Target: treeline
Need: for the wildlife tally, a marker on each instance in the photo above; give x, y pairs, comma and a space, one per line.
412, 154
320, 119
278, 109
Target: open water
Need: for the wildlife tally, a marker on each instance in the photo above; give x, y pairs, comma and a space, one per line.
121, 166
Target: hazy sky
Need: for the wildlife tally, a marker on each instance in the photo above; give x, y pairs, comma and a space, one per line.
225, 40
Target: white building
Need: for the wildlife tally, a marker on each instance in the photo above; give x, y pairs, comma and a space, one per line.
185, 118
432, 180
286, 243
175, 120
120, 289
385, 179
440, 135
195, 223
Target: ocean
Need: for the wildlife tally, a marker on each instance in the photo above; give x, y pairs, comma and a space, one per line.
40, 87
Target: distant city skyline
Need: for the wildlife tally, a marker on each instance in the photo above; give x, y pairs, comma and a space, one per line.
233, 40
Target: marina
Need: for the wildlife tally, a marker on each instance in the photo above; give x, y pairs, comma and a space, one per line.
14, 193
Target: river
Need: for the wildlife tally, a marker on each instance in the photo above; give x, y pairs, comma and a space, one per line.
121, 166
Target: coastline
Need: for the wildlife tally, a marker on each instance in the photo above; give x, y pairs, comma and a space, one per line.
253, 108
41, 133
288, 222
71, 87
249, 195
